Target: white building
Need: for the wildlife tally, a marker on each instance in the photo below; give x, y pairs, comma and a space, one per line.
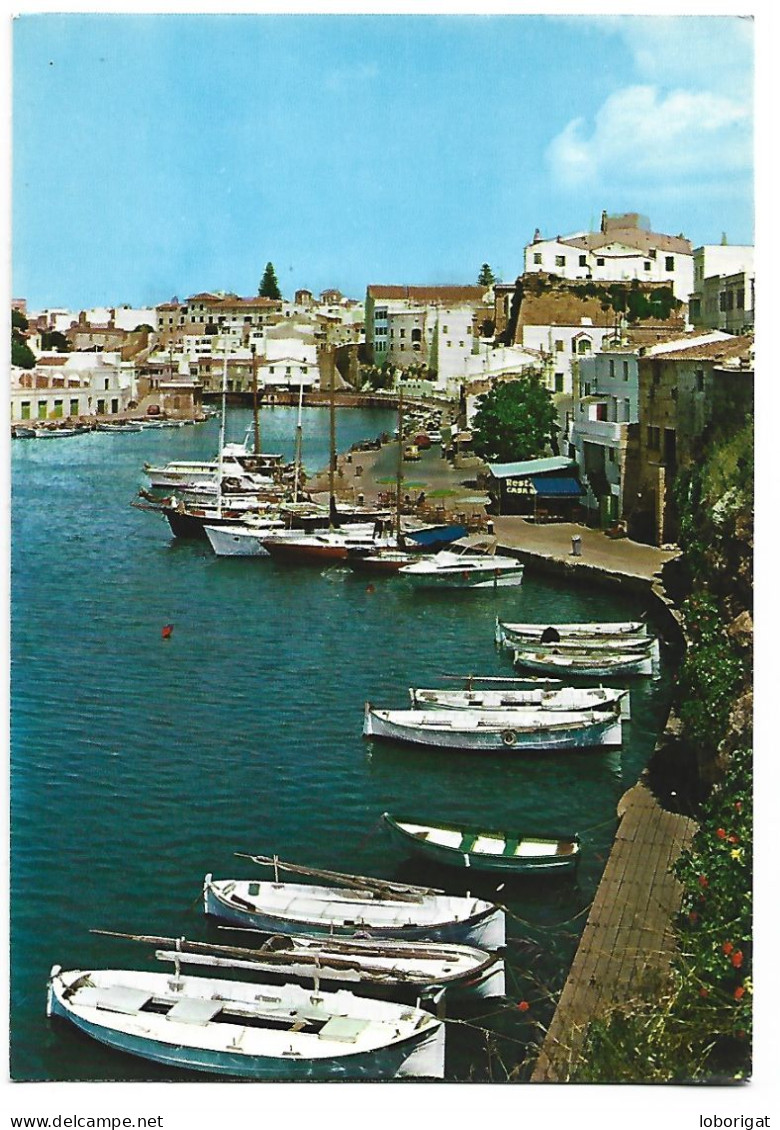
66, 385
624, 248
724, 288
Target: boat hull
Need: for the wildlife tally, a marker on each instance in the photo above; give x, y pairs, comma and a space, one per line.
464, 578
507, 736
229, 541
420, 1055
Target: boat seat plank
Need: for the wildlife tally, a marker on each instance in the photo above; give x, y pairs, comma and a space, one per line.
468, 841
343, 1029
511, 846
117, 999
194, 1011
489, 845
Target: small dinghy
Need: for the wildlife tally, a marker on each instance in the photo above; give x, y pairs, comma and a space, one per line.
357, 906
384, 967
496, 731
463, 845
542, 633
248, 1030
584, 661
513, 698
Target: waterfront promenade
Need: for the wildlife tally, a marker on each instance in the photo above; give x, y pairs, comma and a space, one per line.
628, 941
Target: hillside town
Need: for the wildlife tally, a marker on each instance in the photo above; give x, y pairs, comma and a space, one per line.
638, 336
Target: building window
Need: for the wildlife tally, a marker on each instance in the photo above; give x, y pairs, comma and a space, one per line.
652, 253
741, 299
558, 346
611, 454
599, 262
611, 367
583, 345
560, 260
699, 380
583, 260
722, 300
648, 264
42, 410
537, 258
559, 382
694, 308
74, 408
669, 263
25, 409
57, 408
402, 333
654, 438
625, 370
444, 330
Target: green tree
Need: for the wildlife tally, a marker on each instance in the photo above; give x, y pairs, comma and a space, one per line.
269, 287
514, 421
486, 276
21, 354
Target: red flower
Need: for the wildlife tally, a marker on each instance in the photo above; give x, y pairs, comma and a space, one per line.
693, 917
703, 881
733, 839
721, 833
738, 805
736, 959
727, 947
704, 992
524, 1006
739, 993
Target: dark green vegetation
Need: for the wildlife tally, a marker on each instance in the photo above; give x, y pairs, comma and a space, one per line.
269, 286
697, 1024
514, 421
486, 276
21, 354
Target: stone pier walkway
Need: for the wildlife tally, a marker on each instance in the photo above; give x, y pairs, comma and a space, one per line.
627, 943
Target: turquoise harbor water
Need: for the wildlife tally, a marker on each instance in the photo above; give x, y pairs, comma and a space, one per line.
138, 764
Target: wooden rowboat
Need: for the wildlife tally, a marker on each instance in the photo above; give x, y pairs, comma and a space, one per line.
513, 698
388, 968
523, 730
248, 1030
368, 908
593, 664
463, 845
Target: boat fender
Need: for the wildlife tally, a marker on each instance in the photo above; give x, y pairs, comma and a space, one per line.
509, 737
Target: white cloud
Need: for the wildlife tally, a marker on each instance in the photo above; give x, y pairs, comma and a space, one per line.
639, 134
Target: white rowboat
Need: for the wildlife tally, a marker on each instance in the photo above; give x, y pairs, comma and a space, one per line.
248, 1030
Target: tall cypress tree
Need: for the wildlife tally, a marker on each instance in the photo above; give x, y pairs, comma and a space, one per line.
269, 287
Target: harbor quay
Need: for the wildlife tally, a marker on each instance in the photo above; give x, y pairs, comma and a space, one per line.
628, 942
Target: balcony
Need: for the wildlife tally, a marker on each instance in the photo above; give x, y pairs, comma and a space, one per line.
605, 431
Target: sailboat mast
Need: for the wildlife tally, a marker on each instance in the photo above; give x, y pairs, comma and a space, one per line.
399, 478
298, 443
256, 414
222, 432
332, 469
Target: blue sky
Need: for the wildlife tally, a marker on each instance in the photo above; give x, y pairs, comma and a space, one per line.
159, 155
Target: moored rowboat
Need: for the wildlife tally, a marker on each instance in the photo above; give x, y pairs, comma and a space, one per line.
511, 698
535, 631
369, 908
385, 967
464, 845
248, 1030
484, 731
593, 664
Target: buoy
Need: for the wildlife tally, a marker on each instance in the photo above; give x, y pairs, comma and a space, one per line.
167, 631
